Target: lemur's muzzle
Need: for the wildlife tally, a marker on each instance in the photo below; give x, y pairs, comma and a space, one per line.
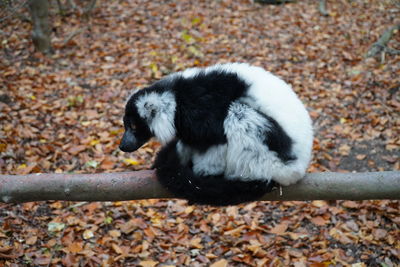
129, 142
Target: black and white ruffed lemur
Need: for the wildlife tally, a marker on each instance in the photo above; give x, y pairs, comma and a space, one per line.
231, 132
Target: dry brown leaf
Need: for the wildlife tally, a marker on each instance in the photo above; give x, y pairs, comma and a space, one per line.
149, 232
117, 248
31, 240
350, 204
280, 229
379, 234
320, 221
236, 231
75, 247
220, 263
361, 156
196, 243
319, 203
74, 150
114, 233
148, 263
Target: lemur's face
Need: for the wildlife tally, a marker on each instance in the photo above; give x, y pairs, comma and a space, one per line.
137, 131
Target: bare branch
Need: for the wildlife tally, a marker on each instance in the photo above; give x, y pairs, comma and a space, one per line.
73, 34
144, 185
88, 9
11, 8
342, 186
381, 44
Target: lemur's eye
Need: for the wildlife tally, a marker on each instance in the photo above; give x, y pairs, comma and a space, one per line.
133, 126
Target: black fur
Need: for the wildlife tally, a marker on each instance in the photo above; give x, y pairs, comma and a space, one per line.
202, 104
277, 140
208, 190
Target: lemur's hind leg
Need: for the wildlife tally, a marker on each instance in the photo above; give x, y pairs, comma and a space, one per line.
210, 162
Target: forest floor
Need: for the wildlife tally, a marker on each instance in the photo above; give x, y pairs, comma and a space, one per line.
63, 113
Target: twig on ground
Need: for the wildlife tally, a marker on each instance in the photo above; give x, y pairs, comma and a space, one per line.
381, 45
73, 34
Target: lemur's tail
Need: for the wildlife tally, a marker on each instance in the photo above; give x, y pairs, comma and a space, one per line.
209, 190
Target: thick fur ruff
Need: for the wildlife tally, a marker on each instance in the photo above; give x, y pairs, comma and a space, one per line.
214, 190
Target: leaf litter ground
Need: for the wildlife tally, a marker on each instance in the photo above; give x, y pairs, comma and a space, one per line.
63, 114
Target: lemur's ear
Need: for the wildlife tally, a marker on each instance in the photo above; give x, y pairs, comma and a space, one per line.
149, 105
151, 109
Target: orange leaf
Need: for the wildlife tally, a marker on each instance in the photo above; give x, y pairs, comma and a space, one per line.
350, 204
31, 240
148, 263
220, 263
75, 247
149, 232
74, 150
319, 221
196, 243
107, 164
280, 229
116, 248
236, 231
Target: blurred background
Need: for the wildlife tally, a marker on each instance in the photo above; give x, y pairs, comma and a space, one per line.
67, 68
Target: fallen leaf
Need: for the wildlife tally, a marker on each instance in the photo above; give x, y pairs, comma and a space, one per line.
55, 227
75, 247
31, 240
379, 234
148, 263
280, 229
361, 156
350, 204
114, 233
87, 234
319, 203
220, 263
75, 150
320, 221
196, 243
236, 231
131, 162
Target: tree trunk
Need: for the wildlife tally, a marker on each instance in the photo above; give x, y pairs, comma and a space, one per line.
39, 11
144, 185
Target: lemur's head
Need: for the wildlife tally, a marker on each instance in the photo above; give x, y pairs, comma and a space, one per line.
137, 131
148, 113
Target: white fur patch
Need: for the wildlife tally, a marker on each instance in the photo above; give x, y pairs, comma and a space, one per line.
247, 156
159, 112
211, 162
270, 95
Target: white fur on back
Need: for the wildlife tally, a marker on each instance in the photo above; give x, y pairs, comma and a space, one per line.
159, 112
275, 98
